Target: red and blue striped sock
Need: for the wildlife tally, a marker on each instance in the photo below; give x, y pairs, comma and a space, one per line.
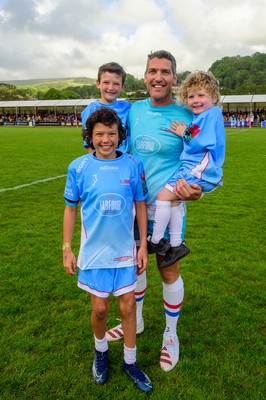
173, 295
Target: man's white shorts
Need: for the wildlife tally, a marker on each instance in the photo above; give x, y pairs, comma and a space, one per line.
101, 282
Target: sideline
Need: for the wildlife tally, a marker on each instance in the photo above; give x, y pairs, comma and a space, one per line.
32, 183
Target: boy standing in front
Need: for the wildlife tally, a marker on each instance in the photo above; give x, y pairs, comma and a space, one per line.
111, 188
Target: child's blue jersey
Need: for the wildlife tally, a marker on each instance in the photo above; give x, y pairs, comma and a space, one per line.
204, 146
122, 108
153, 142
106, 190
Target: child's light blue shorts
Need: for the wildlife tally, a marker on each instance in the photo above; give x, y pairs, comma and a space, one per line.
103, 281
182, 173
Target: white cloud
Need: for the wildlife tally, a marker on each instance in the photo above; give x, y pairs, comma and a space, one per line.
65, 39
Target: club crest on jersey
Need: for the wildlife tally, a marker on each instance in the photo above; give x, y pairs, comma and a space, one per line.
110, 204
191, 132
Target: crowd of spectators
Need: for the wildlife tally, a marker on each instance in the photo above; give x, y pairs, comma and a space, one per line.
63, 118
242, 119
237, 119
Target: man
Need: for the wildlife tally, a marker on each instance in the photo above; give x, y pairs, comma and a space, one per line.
159, 150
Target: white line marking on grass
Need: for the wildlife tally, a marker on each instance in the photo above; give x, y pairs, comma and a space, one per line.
32, 183
233, 132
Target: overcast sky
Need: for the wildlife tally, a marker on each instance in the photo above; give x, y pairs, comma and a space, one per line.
72, 38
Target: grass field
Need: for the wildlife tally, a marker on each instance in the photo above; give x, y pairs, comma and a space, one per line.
46, 343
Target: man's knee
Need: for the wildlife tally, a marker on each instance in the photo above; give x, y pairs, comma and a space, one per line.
170, 274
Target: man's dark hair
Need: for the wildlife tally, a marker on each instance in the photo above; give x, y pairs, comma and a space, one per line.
108, 117
112, 67
162, 54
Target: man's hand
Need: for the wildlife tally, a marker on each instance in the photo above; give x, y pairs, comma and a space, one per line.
187, 192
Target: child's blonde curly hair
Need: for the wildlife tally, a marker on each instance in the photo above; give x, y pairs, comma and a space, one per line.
199, 79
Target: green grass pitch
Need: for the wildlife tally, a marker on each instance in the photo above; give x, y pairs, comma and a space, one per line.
46, 348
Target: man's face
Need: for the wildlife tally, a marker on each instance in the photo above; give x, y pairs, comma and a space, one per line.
159, 79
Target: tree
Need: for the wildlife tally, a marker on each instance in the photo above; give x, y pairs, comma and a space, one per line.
53, 94
241, 75
11, 92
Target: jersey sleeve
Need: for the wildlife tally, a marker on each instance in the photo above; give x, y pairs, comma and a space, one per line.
71, 193
141, 189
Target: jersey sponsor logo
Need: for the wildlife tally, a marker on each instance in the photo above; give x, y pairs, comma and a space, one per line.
68, 193
154, 113
108, 168
110, 204
146, 145
69, 181
81, 165
125, 181
123, 258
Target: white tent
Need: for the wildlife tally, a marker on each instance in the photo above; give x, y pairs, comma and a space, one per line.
244, 103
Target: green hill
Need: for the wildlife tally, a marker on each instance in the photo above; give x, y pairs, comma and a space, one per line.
45, 84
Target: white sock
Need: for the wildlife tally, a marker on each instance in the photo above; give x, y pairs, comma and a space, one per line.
173, 295
101, 344
139, 295
177, 225
130, 355
161, 219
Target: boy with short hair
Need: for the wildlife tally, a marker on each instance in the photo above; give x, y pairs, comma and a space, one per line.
111, 188
111, 81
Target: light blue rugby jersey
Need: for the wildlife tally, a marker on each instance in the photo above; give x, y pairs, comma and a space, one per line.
122, 108
153, 142
106, 190
204, 146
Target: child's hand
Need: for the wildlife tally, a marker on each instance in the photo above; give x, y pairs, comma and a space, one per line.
178, 128
69, 262
142, 259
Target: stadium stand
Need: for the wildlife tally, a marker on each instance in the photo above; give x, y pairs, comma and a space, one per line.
67, 112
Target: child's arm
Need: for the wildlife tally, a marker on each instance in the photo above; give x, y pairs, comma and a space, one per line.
69, 260
178, 128
141, 215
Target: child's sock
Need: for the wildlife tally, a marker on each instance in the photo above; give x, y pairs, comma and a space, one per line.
161, 219
130, 355
101, 344
176, 225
